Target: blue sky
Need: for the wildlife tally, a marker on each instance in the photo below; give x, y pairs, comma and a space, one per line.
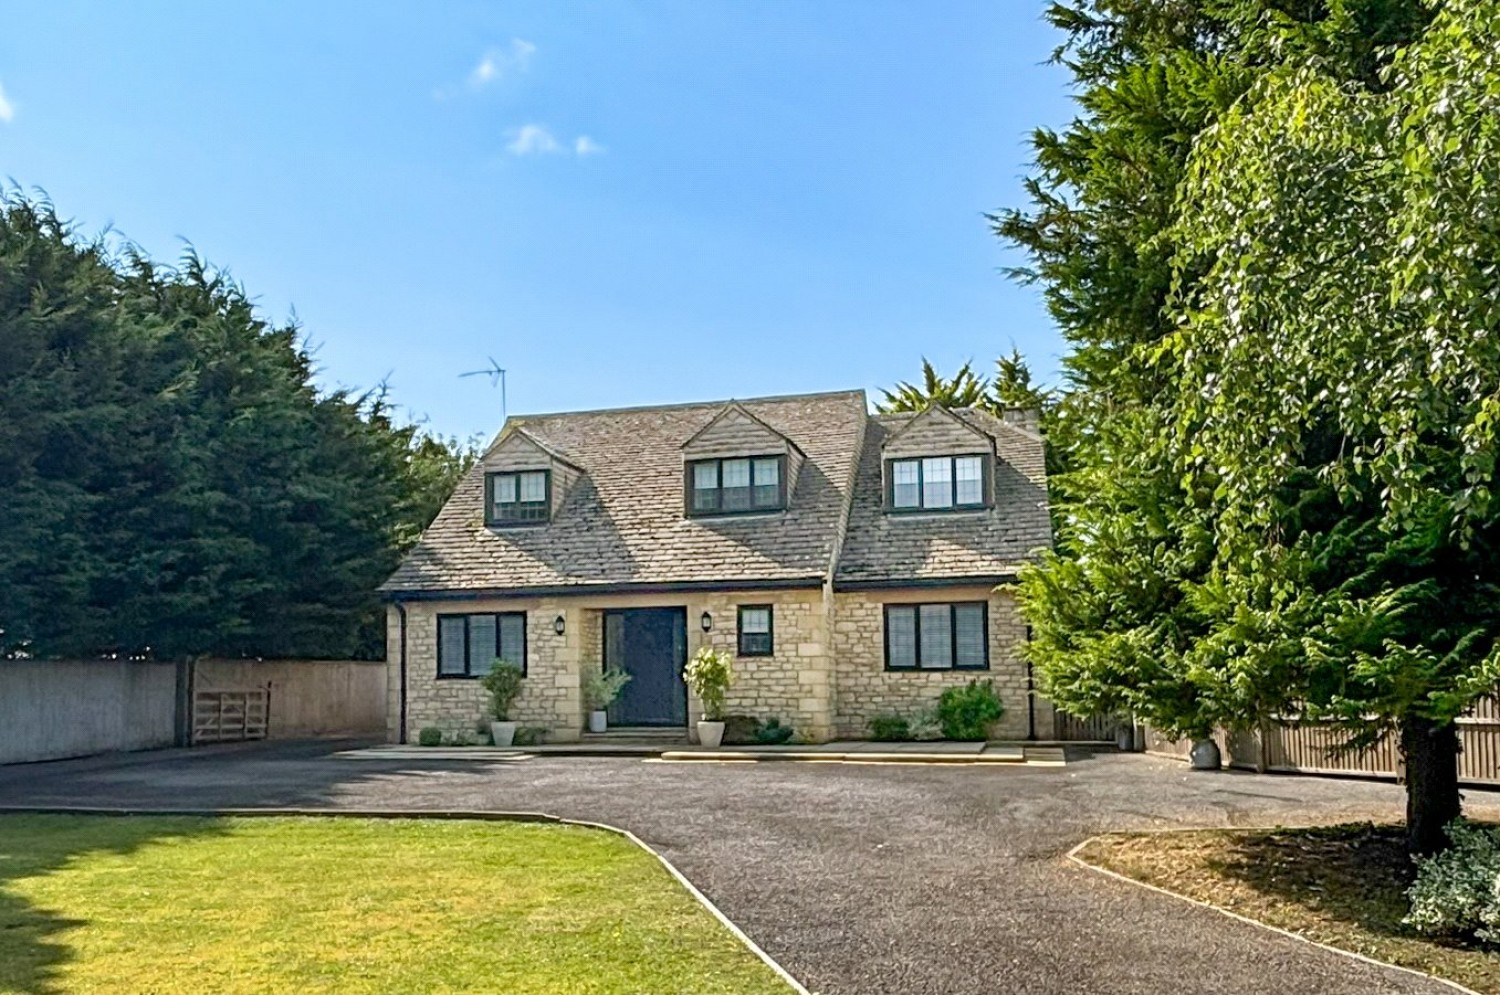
623, 203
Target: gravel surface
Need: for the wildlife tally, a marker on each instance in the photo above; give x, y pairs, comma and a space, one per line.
859, 879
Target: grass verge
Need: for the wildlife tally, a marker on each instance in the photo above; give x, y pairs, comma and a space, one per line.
168, 905
1344, 886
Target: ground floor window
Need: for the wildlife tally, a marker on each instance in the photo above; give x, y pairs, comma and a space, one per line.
755, 630
947, 636
469, 645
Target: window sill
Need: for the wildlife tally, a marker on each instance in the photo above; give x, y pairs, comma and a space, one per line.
937, 670
975, 509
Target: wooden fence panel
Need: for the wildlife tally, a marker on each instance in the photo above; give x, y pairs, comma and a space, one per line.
1093, 729
1296, 745
1299, 745
1479, 735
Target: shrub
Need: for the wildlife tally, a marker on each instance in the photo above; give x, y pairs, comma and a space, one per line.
430, 736
1457, 892
503, 682
925, 725
772, 733
966, 713
709, 675
602, 687
529, 736
889, 729
463, 738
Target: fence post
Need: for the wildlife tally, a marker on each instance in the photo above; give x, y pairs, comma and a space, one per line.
182, 718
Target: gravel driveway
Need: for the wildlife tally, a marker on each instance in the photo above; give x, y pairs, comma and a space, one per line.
859, 879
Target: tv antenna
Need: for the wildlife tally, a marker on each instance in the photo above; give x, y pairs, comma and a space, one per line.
497, 376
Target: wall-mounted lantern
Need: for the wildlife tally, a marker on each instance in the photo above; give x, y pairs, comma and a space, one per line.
706, 621
559, 625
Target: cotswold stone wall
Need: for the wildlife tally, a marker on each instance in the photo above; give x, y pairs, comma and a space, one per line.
795, 683
550, 695
826, 677
866, 689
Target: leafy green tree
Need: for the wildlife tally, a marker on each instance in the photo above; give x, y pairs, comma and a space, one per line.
1012, 387
1341, 381
963, 390
172, 481
1261, 511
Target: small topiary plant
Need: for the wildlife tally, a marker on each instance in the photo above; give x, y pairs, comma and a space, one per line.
430, 736
965, 713
889, 729
530, 736
1457, 892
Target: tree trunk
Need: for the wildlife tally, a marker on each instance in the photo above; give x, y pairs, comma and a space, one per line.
1432, 799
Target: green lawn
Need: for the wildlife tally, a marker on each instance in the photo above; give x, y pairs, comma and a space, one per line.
162, 905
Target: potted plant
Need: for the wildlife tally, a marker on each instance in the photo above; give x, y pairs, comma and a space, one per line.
709, 676
503, 682
600, 689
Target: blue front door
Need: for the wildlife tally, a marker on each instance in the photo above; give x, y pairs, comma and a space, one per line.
650, 644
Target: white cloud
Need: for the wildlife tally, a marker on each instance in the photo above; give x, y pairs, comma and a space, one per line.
7, 109
531, 139
497, 63
538, 139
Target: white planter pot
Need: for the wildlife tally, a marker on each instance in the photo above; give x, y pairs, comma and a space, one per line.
1205, 755
504, 733
710, 734
598, 720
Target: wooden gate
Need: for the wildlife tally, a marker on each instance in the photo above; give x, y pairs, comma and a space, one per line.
230, 716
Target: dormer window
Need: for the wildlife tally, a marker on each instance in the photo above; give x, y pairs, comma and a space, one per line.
936, 483
523, 497
736, 485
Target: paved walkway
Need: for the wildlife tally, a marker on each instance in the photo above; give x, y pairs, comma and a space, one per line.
856, 752
938, 880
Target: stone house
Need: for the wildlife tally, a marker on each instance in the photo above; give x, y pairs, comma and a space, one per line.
848, 562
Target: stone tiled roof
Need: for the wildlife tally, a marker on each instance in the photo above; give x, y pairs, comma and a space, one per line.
623, 523
882, 548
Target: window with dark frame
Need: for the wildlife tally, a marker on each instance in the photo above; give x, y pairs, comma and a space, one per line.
756, 631
522, 497
942, 636
737, 485
936, 483
469, 645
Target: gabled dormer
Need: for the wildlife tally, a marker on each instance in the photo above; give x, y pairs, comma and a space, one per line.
525, 481
736, 464
938, 462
